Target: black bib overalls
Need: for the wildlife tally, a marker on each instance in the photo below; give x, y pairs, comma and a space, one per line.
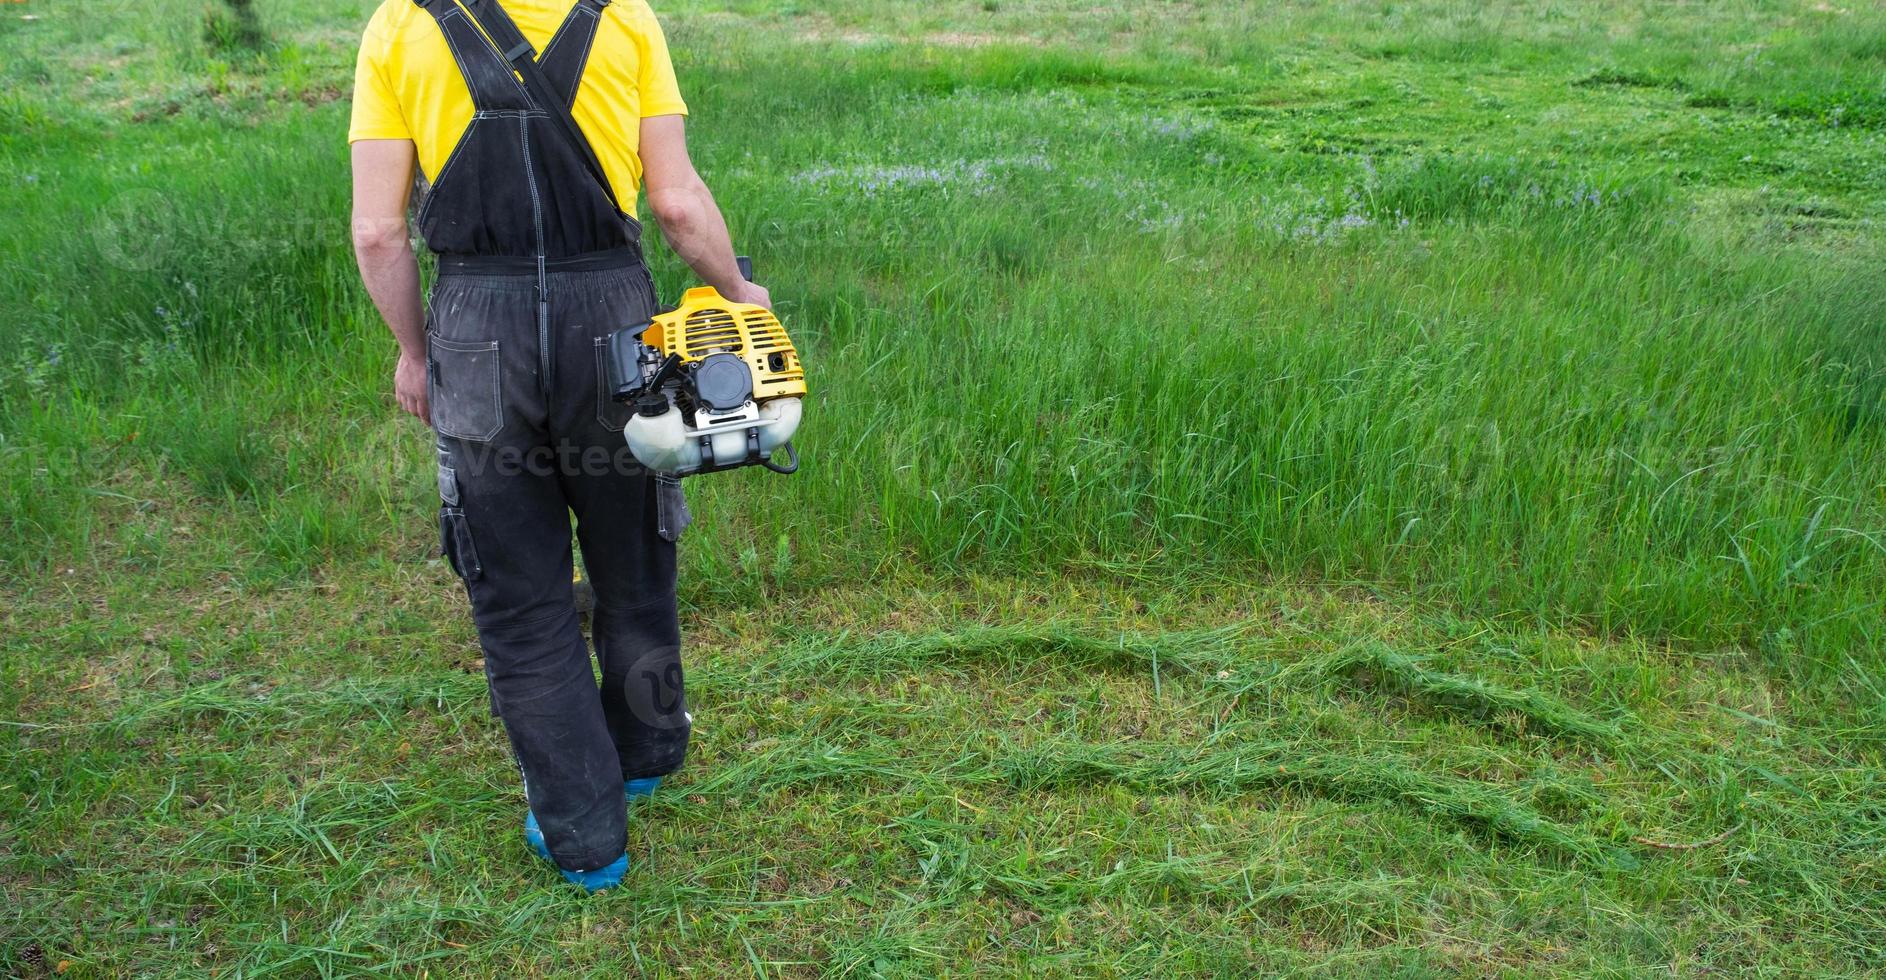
536, 268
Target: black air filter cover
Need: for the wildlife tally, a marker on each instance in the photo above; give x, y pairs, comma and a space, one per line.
723, 382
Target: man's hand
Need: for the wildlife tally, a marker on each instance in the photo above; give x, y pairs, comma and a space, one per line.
410, 387
684, 208
751, 292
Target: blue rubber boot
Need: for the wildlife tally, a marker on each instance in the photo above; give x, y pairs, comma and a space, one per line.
593, 881
601, 878
597, 880
608, 876
534, 835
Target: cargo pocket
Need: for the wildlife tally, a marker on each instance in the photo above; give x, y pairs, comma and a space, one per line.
448, 485
455, 542
612, 414
671, 507
465, 401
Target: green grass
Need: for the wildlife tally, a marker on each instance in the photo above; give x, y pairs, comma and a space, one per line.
1291, 487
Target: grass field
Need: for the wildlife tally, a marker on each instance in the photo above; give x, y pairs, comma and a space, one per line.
1339, 488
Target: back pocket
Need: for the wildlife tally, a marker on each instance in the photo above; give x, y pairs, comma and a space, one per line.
465, 400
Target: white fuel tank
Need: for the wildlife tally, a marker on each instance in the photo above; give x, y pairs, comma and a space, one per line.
666, 444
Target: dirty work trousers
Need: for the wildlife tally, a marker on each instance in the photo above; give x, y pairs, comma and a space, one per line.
527, 436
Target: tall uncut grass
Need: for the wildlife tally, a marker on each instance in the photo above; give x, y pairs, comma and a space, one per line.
1100, 308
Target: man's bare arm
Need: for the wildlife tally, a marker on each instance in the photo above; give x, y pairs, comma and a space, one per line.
684, 208
383, 177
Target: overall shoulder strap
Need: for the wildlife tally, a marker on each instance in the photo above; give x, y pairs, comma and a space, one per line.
523, 58
490, 80
567, 55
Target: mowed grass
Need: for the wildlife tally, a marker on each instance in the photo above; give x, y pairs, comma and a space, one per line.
1292, 488
929, 777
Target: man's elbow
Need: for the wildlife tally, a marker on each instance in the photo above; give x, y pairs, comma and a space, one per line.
674, 210
380, 239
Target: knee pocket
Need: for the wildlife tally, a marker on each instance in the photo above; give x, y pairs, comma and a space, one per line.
456, 544
671, 509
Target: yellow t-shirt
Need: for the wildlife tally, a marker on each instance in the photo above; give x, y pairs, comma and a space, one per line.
407, 86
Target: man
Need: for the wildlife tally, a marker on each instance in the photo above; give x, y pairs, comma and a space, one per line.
538, 264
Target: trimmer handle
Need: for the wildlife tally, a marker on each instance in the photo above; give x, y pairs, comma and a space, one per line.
746, 267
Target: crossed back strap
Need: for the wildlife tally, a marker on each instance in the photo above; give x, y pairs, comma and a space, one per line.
577, 35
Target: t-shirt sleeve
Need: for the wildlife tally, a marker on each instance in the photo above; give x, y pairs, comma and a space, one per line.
661, 94
377, 114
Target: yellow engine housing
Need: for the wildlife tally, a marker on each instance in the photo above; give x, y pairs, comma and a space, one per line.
706, 322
